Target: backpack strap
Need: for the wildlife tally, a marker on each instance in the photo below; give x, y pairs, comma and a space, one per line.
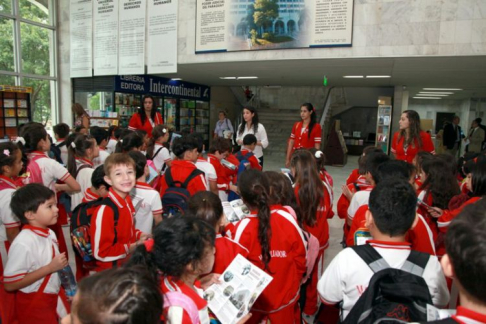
356, 187
372, 258
59, 145
160, 149
191, 176
416, 263
177, 298
168, 178
84, 166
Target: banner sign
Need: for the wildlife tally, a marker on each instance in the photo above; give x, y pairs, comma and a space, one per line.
105, 37
131, 47
81, 29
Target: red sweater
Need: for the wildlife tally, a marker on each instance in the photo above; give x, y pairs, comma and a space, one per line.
136, 123
412, 150
180, 170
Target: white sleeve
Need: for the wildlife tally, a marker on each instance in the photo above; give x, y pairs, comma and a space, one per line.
165, 154
19, 263
211, 173
7, 217
330, 286
56, 170
353, 207
239, 136
156, 204
262, 136
435, 279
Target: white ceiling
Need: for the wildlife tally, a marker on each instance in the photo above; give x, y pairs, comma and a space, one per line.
465, 72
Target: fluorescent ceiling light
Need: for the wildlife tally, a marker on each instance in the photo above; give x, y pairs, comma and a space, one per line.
444, 93
246, 77
441, 89
431, 95
227, 78
353, 77
427, 98
378, 76
176, 79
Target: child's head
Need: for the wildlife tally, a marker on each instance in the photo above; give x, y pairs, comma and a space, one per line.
253, 187
392, 169
35, 137
119, 295
392, 207
438, 180
419, 159
35, 204
200, 142
61, 131
182, 245
220, 148
320, 158
373, 161
81, 130
362, 159
185, 148
207, 206
120, 132
280, 191
111, 130
10, 159
141, 167
120, 172
250, 141
145, 138
478, 180
160, 133
83, 147
100, 135
466, 254
98, 181
129, 142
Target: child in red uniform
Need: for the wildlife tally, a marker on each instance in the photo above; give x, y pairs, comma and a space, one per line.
249, 144
207, 206
108, 251
466, 238
34, 256
276, 245
121, 295
185, 148
315, 207
218, 150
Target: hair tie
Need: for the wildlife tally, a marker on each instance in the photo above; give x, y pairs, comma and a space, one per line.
318, 154
121, 141
20, 139
73, 145
164, 130
6, 152
149, 244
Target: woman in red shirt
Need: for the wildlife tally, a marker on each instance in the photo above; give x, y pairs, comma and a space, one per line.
305, 133
409, 140
146, 118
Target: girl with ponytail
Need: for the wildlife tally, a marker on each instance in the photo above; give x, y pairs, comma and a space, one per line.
82, 149
157, 150
276, 244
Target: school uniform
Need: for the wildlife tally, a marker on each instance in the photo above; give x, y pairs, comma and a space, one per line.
89, 195
359, 199
254, 163
100, 160
32, 249
232, 174
7, 217
407, 153
63, 149
84, 179
226, 251
107, 253
51, 170
465, 316
301, 137
110, 147
208, 169
161, 158
261, 136
328, 184
149, 124
150, 205
177, 314
348, 276
287, 265
223, 182
180, 170
353, 176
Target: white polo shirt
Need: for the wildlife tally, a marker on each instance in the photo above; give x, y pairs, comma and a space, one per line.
84, 180
147, 202
162, 157
7, 217
51, 170
31, 250
359, 199
208, 169
348, 276
110, 147
100, 160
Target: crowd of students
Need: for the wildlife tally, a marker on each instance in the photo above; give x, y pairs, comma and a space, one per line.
154, 256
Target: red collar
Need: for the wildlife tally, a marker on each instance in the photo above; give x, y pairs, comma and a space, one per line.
90, 195
120, 202
390, 245
38, 153
8, 181
463, 314
177, 284
44, 232
202, 159
84, 161
160, 143
142, 185
113, 138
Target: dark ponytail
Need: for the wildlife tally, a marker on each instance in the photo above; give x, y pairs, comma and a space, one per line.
313, 117
141, 257
253, 187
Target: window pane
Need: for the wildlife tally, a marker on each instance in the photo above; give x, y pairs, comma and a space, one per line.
36, 10
35, 42
7, 79
6, 6
40, 99
6, 45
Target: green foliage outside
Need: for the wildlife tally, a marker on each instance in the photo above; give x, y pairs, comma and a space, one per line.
266, 11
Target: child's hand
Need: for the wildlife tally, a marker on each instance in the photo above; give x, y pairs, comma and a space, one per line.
435, 212
234, 188
244, 319
209, 280
346, 192
144, 237
58, 263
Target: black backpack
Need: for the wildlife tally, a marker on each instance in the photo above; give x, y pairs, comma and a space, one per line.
393, 295
81, 228
175, 198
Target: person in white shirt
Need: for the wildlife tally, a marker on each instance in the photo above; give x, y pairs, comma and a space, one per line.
205, 166
112, 132
391, 214
101, 136
252, 126
156, 150
61, 132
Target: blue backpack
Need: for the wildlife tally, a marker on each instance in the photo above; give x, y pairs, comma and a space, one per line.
244, 165
175, 198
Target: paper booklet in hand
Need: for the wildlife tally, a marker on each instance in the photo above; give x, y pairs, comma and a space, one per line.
235, 210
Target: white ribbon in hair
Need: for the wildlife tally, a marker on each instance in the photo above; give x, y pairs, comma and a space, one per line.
20, 139
318, 154
73, 145
121, 141
164, 130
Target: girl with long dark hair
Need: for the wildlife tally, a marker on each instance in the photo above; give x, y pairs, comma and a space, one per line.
251, 125
275, 243
410, 139
147, 117
305, 133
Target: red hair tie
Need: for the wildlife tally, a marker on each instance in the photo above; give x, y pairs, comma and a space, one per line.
149, 244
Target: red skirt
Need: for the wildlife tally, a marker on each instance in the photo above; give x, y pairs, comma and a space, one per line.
36, 308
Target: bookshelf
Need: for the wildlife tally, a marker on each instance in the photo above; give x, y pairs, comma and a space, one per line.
14, 109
